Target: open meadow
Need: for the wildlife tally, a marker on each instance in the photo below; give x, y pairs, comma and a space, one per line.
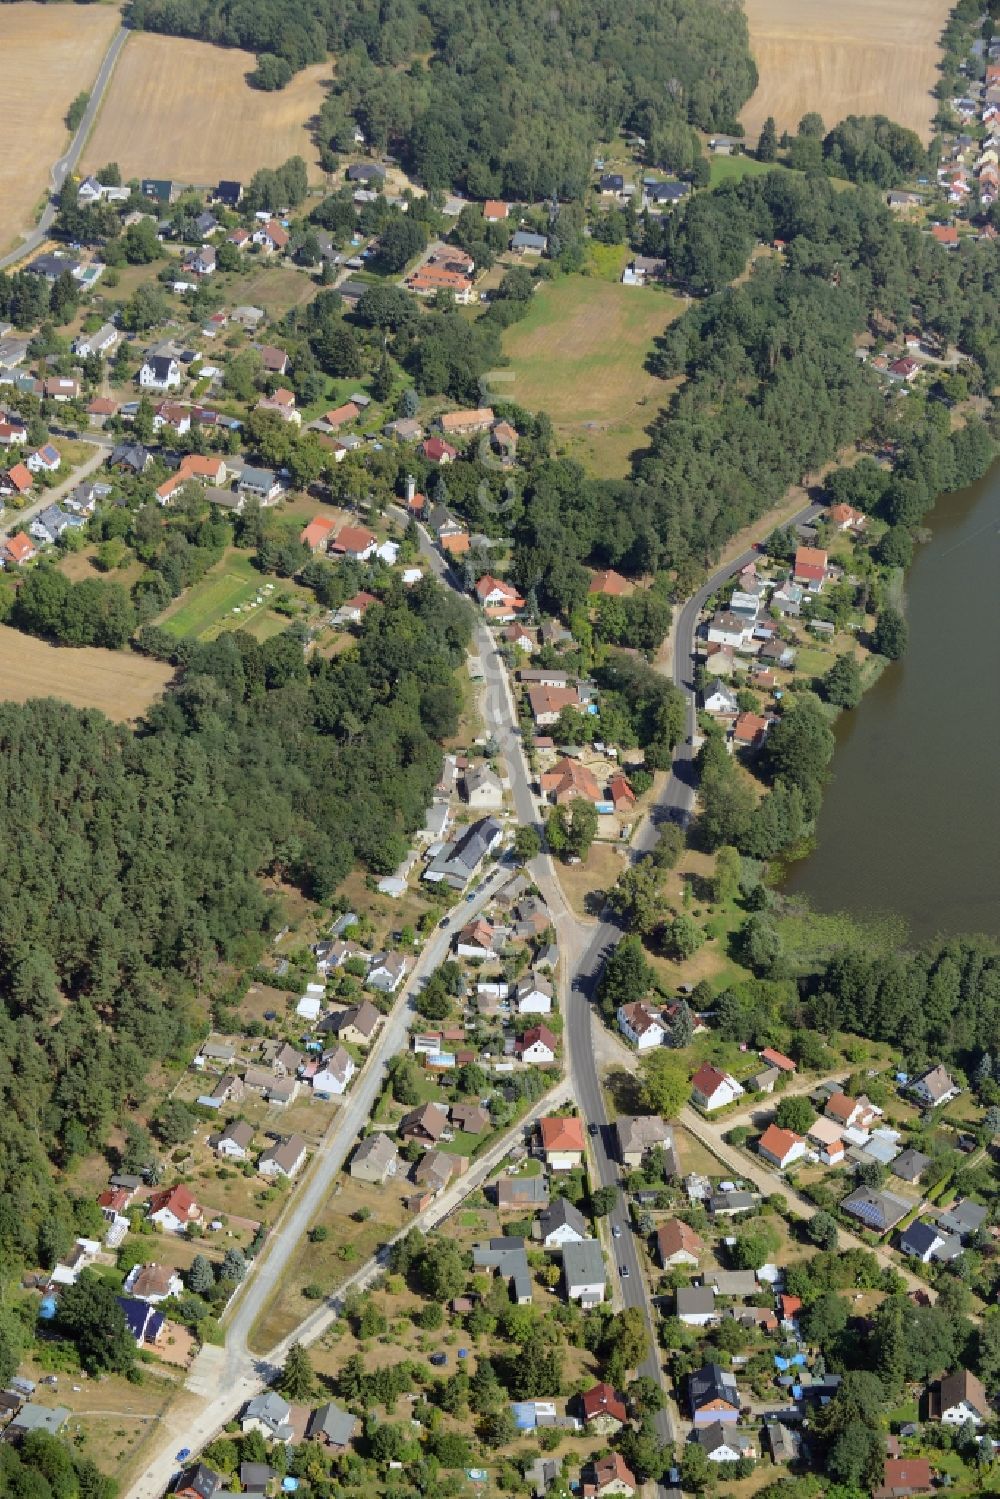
855, 57
184, 110
233, 595
118, 683
51, 53
580, 356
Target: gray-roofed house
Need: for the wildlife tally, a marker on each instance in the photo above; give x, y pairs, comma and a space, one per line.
729, 1204
284, 1159
583, 1271
32, 1417
921, 1240
910, 1165
508, 1259
879, 1211
457, 862
255, 1477
638, 1135
524, 242
270, 1415
332, 1426
738, 1283
517, 1192
259, 484
562, 1223
965, 1218
696, 1305
714, 1395
235, 1140
725, 1444
198, 1482
366, 171
375, 1160
958, 1398
784, 1442
130, 455
159, 372
934, 1088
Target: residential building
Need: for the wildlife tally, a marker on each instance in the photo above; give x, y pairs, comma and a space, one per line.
316, 535
160, 372
537, 1047
604, 1411
285, 1158
173, 1209
678, 1244
357, 1024
732, 630
777, 1059
879, 1211
695, 1305
958, 1399
562, 1141
902, 1477
333, 1426
197, 1482
524, 242
784, 1442
720, 699
508, 1259
910, 1165
781, 1146
482, 787
562, 1223
583, 1272
725, 1444
234, 1142
712, 1089
613, 1476
387, 971
964, 1218
516, 1194
826, 1138
426, 1123
375, 1160
749, 731
809, 569
142, 1320
934, 1088
714, 1396
270, 1415
568, 778
640, 1025
637, 1135
260, 484
457, 862
333, 1075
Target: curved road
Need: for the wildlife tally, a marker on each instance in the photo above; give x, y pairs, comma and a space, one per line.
67, 163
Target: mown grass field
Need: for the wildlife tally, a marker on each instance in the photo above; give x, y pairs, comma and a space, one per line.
580, 356
50, 53
226, 599
183, 109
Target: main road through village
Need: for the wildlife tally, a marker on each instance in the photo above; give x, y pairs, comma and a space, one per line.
225, 1378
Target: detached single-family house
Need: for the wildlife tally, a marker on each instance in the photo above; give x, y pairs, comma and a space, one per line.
604, 1411
720, 699
826, 1138
160, 372
728, 629
562, 1223
568, 777
640, 1025
332, 1426
695, 1305
316, 535
196, 1482
781, 1146
964, 1218
637, 1135
714, 1396
387, 971
712, 1089
331, 1078
153, 1283
583, 1272
476, 940
809, 569
233, 1144
612, 1475
879, 1211
270, 1415
260, 484
482, 787
457, 862
959, 1398
537, 1047
678, 1244
357, 1024
498, 599
425, 1124
562, 1141
173, 1209
934, 1088
375, 1160
725, 1444
284, 1159
533, 995
525, 242
356, 542
903, 1477
45, 460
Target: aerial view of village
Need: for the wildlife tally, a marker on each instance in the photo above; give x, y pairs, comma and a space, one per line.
499, 695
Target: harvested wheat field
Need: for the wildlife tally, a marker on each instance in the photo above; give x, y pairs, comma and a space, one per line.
50, 54
184, 110
120, 684
853, 57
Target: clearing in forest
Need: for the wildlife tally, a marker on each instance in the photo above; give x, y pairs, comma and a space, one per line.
226, 598
184, 110
855, 57
50, 53
579, 355
120, 684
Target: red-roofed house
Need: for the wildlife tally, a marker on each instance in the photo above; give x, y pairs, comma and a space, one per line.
354, 610
498, 599
620, 792
749, 731
17, 550
436, 450
174, 1209
777, 1059
678, 1244
562, 1142
341, 415
271, 237
547, 703
316, 536
846, 518
612, 1475
906, 370
790, 1308
568, 778
603, 1411
945, 234
903, 1476
781, 1146
16, 480
354, 541
537, 1046
494, 212
609, 584
712, 1089
640, 1025
810, 568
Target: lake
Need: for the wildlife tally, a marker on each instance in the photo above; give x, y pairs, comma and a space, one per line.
910, 821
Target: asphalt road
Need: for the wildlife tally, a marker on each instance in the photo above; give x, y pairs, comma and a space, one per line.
67, 163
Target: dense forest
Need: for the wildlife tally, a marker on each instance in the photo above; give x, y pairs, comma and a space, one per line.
496, 98
130, 861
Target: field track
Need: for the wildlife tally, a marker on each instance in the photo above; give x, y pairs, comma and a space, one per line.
183, 110
851, 57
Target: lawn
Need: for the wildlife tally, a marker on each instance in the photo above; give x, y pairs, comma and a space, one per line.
735, 168
232, 595
579, 355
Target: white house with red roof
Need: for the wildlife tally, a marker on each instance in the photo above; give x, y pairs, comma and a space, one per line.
781, 1146
562, 1141
174, 1209
809, 569
497, 598
712, 1089
640, 1025
537, 1046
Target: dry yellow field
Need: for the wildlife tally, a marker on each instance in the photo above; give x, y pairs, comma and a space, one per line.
184, 110
50, 54
852, 57
120, 684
